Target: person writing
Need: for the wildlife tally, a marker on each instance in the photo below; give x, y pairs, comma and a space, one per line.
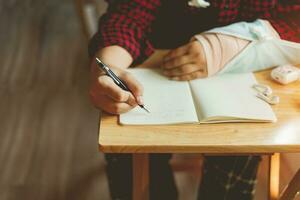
205, 38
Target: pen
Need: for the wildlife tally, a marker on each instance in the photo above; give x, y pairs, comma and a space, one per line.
115, 78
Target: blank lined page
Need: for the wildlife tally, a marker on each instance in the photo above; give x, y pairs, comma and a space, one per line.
169, 102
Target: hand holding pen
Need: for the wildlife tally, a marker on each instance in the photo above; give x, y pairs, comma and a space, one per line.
115, 90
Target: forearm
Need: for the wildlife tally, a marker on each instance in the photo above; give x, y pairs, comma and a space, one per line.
219, 50
115, 56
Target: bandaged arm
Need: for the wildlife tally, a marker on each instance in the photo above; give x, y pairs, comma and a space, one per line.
219, 49
233, 46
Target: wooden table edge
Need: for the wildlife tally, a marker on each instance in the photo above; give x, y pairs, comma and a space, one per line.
209, 149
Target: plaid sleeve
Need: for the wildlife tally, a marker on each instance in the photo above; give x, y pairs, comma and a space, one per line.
283, 15
126, 23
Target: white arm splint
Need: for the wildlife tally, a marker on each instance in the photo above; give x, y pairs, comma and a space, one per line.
264, 51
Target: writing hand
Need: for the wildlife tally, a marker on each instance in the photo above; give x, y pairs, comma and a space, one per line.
106, 95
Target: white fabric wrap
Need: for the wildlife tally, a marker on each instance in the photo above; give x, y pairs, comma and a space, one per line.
264, 51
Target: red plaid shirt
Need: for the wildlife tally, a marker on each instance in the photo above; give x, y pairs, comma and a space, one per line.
140, 25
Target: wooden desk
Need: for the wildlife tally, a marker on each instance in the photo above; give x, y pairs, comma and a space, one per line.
231, 138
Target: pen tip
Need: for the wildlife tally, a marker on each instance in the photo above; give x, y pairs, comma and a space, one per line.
142, 106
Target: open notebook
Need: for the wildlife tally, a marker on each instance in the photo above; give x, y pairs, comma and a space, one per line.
223, 98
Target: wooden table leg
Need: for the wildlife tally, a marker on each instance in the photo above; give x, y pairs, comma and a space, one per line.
140, 176
274, 173
292, 190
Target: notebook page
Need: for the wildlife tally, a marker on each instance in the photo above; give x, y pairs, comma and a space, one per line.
230, 97
169, 102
